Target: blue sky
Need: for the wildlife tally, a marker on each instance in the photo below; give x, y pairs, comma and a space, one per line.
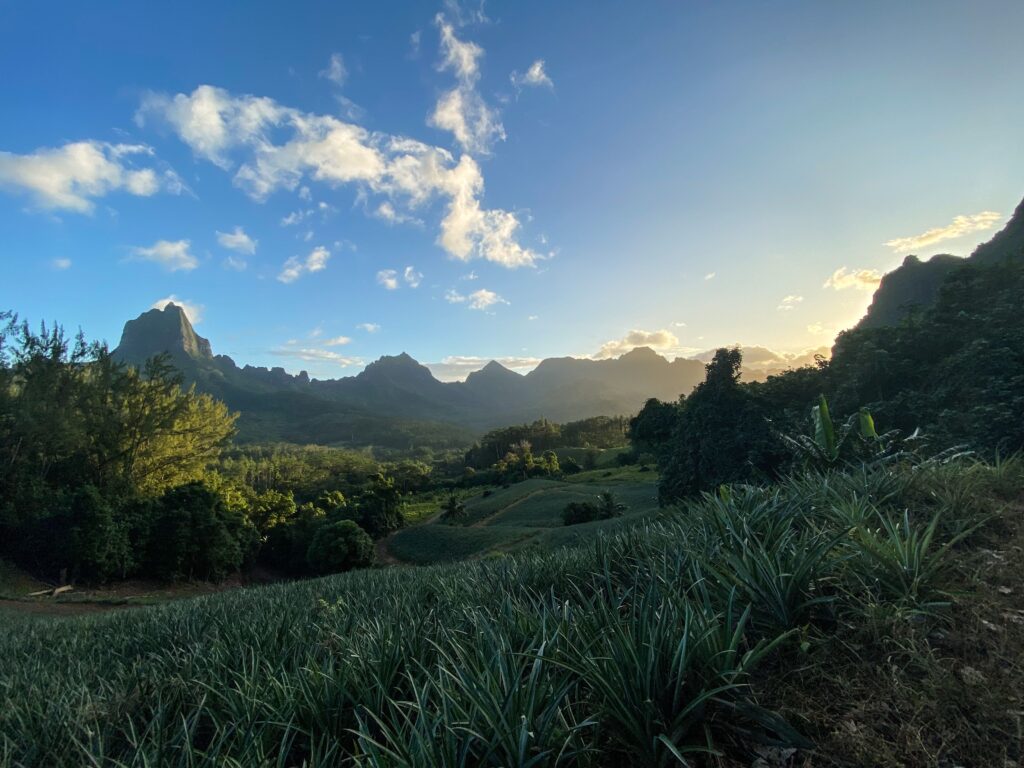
325, 183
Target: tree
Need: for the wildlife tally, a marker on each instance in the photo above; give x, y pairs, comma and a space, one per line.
453, 509
195, 536
380, 508
650, 431
721, 435
340, 546
604, 508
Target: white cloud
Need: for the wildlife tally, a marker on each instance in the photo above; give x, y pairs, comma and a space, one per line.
386, 212
414, 44
335, 71
535, 76
337, 341
961, 225
305, 194
660, 341
69, 177
313, 355
294, 267
237, 241
861, 279
481, 299
61, 264
193, 311
462, 110
678, 325
412, 277
407, 173
172, 255
709, 276
368, 327
295, 217
236, 263
789, 303
388, 278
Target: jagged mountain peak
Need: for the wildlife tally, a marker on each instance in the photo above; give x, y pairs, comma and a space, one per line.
158, 331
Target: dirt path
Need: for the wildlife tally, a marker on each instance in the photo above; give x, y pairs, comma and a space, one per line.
481, 523
53, 608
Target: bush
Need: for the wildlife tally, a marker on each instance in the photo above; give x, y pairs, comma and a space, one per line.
340, 546
577, 512
195, 536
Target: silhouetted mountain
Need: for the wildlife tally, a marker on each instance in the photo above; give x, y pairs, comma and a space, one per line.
1007, 244
397, 390
912, 285
915, 284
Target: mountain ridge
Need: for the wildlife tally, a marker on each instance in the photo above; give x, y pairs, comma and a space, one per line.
398, 387
915, 284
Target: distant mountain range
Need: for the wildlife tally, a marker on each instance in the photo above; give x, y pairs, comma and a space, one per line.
396, 402
915, 283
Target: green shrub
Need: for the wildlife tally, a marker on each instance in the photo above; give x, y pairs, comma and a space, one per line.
339, 546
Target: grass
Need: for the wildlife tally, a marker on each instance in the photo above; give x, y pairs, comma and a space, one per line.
737, 624
525, 515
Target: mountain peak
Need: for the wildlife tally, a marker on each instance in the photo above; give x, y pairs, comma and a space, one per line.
159, 331
1008, 243
641, 354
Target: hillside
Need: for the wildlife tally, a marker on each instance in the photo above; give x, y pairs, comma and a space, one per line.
813, 620
915, 284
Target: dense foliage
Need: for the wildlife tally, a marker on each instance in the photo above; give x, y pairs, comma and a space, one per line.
954, 371
650, 647
544, 435
112, 472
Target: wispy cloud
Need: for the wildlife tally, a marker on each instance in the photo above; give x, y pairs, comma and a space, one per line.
860, 279
789, 303
72, 176
660, 341
961, 225
172, 255
535, 76
337, 341
481, 299
412, 277
193, 311
316, 355
709, 276
61, 264
237, 240
388, 278
368, 327
462, 110
296, 267
335, 71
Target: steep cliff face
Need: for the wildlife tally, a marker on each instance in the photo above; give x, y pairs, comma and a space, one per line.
915, 284
157, 331
912, 285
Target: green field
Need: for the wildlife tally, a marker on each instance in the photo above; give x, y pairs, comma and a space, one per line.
527, 515
781, 611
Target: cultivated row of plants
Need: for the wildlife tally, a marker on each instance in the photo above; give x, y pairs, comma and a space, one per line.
652, 647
